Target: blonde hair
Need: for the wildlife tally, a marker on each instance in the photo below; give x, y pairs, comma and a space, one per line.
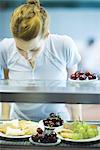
29, 20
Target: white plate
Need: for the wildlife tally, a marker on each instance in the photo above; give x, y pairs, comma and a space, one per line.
82, 81
82, 140
42, 126
14, 137
44, 144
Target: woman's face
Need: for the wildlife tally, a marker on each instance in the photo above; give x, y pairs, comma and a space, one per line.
30, 48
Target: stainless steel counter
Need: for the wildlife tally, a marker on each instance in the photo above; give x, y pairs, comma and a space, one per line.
32, 147
49, 91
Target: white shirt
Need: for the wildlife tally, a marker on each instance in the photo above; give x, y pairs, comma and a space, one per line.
58, 53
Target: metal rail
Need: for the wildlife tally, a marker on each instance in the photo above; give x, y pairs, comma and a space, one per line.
49, 92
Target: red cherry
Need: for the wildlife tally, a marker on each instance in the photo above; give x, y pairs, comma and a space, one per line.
81, 73
87, 73
82, 77
77, 73
39, 130
90, 77
73, 76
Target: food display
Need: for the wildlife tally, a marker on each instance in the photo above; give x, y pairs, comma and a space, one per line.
78, 131
53, 120
18, 128
44, 136
78, 75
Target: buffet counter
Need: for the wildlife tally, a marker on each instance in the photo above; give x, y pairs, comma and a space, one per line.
24, 144
49, 91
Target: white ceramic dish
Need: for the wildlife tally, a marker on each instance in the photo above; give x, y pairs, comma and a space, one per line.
83, 81
44, 144
14, 137
82, 140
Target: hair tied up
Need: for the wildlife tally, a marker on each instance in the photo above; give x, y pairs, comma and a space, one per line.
35, 2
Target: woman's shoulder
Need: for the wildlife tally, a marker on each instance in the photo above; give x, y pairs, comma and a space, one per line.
7, 41
60, 41
5, 50
59, 37
6, 45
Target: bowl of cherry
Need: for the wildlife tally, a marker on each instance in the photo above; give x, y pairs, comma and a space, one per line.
83, 76
44, 138
52, 121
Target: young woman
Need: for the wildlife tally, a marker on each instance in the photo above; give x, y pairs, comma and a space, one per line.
34, 53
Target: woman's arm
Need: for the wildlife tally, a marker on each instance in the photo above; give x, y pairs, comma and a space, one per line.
72, 70
75, 109
3, 53
72, 60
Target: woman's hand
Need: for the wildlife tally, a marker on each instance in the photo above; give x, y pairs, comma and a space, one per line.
76, 110
72, 70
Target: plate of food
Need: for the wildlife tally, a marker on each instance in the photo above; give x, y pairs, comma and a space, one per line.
44, 138
83, 77
78, 132
18, 128
53, 121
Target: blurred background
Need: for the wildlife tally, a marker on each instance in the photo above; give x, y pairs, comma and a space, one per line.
76, 18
